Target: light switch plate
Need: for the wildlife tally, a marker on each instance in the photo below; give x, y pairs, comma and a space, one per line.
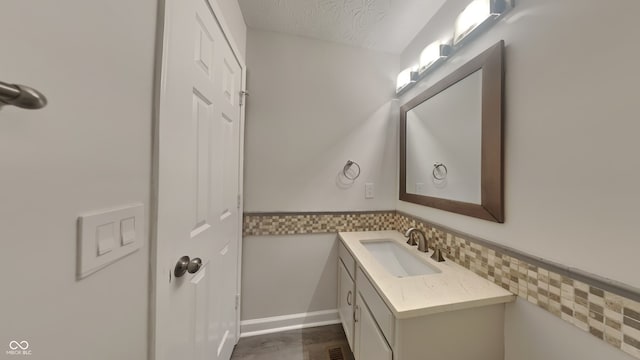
108, 235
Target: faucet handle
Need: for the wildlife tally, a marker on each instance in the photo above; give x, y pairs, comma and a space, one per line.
437, 254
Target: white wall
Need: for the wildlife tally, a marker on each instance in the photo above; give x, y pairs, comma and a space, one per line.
292, 274
314, 105
571, 163
90, 148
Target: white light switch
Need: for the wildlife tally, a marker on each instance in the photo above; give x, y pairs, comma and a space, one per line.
128, 230
369, 192
106, 236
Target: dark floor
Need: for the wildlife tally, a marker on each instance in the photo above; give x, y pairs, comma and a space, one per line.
319, 343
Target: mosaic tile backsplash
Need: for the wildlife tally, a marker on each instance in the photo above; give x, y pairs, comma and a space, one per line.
606, 315
313, 223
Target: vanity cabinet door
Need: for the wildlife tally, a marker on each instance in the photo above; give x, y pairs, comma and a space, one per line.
370, 344
346, 299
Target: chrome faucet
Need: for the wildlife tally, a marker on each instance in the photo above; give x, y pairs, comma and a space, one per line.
422, 239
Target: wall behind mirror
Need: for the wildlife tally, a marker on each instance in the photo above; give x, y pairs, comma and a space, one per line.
451, 141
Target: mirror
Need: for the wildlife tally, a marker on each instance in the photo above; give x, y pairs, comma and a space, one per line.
451, 141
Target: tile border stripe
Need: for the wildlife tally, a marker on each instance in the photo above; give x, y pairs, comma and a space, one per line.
289, 223
598, 281
312, 213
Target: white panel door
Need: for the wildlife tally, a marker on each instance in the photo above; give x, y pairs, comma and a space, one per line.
197, 154
226, 153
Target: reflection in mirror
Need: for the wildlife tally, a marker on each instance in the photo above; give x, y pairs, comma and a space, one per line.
446, 130
451, 141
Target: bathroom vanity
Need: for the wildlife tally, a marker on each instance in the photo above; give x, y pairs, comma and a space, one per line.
397, 303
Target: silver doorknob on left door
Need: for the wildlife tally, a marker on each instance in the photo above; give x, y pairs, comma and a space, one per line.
194, 265
186, 264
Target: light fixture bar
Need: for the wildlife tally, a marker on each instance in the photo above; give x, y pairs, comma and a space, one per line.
477, 16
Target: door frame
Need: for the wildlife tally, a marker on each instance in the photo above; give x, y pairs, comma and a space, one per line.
155, 246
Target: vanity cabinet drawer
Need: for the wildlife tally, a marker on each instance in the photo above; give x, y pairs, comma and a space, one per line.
381, 313
347, 259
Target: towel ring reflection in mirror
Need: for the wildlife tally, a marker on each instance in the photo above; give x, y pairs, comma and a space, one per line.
439, 171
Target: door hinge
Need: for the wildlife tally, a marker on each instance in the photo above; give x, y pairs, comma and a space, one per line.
243, 94
239, 201
237, 301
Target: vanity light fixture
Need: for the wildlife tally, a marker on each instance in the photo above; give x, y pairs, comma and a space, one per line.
433, 55
476, 15
406, 78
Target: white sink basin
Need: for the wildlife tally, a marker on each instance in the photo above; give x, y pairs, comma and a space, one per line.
398, 260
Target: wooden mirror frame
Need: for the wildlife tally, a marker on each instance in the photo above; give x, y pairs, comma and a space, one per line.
491, 183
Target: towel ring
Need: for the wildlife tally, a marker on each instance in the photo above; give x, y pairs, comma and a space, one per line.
439, 171
348, 167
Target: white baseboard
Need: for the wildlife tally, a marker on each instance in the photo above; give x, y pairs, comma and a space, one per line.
276, 324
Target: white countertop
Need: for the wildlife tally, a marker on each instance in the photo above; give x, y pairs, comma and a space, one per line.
454, 288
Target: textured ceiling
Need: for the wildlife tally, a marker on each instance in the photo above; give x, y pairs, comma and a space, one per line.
382, 25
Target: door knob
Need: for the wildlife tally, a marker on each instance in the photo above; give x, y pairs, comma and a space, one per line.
194, 265
186, 264
21, 96
181, 266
